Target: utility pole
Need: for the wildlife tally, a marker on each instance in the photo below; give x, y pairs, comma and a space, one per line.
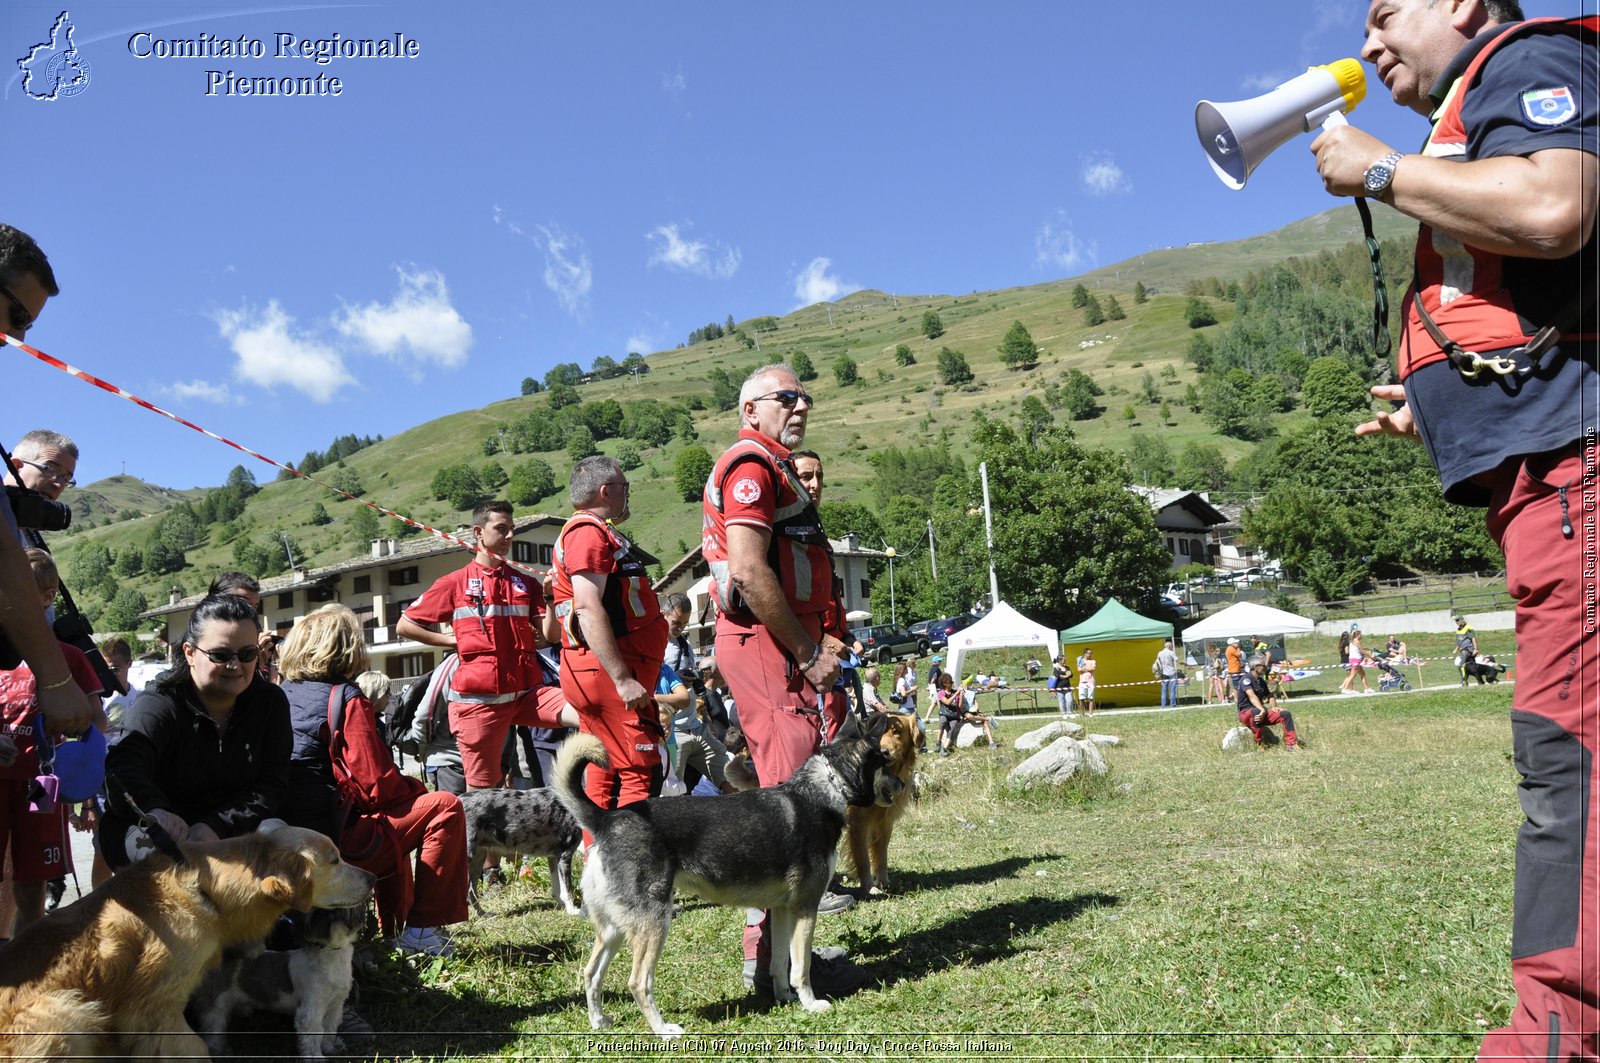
933, 559
988, 532
288, 550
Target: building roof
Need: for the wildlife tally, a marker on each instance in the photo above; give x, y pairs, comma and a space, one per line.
849, 546
1161, 498
382, 554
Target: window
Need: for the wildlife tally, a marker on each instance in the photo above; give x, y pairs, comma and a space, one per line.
403, 577
326, 593
546, 552
1183, 547
407, 665
286, 600
522, 552
866, 590
363, 584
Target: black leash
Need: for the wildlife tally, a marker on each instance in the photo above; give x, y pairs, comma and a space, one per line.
1380, 291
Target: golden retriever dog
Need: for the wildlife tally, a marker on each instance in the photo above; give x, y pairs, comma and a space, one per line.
869, 827
110, 975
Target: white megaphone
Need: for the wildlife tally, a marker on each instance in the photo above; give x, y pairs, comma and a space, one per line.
1237, 136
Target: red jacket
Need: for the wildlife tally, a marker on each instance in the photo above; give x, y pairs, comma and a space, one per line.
492, 612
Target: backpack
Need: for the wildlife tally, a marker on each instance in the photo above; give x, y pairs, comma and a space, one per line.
397, 719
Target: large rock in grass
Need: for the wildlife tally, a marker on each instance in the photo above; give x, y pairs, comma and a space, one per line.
971, 734
1060, 761
1104, 740
1051, 731
1238, 740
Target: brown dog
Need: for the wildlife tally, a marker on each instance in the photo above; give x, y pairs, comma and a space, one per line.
869, 828
110, 975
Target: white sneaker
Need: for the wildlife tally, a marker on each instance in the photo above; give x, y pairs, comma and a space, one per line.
424, 940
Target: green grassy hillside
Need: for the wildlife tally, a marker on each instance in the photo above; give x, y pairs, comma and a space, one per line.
889, 405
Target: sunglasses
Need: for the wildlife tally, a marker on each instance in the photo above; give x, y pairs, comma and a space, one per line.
787, 399
50, 472
21, 320
243, 655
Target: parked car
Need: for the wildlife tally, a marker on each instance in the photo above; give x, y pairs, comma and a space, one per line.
885, 642
939, 631
1178, 592
921, 627
1179, 610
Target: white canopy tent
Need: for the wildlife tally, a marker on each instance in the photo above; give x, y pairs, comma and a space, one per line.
1002, 627
1246, 618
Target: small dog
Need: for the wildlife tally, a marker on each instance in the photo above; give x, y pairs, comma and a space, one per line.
869, 828
772, 848
311, 983
1484, 669
111, 973
521, 823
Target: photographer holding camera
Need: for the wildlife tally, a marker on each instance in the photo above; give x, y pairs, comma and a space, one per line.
26, 282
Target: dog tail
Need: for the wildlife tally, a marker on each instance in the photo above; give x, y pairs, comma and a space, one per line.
577, 753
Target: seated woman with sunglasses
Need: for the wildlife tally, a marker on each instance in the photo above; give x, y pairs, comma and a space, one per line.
205, 747
344, 783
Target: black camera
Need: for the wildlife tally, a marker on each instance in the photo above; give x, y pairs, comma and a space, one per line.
35, 511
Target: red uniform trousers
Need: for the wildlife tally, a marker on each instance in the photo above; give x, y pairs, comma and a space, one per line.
1555, 722
1269, 718
434, 826
633, 739
481, 730
778, 713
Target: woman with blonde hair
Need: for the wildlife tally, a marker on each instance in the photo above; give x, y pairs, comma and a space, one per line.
343, 782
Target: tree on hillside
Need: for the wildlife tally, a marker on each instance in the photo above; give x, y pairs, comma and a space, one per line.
724, 389
1033, 416
343, 478
1148, 389
362, 527
932, 326
765, 323
122, 613
903, 355
953, 368
563, 395
1092, 313
844, 370
530, 386
492, 476
1149, 459
580, 444
457, 484
1332, 389
1017, 349
605, 367
1140, 293
1114, 310
690, 471
1080, 297
530, 481
319, 515
1198, 313
1078, 395
628, 455
1053, 564
800, 362
1201, 467
564, 373
1191, 398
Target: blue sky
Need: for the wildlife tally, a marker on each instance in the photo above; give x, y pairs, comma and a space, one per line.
548, 182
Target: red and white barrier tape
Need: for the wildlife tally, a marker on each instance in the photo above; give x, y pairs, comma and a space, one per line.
106, 385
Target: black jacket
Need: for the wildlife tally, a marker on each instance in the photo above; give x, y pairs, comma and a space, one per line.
172, 757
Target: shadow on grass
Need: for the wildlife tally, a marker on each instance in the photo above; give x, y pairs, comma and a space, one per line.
976, 937
907, 881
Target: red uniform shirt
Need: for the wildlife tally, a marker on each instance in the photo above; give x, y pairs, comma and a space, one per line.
589, 546
492, 612
753, 490
19, 707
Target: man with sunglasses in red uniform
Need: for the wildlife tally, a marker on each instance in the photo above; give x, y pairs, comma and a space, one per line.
1500, 384
772, 581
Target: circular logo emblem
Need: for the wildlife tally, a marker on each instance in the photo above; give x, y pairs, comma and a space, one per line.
746, 491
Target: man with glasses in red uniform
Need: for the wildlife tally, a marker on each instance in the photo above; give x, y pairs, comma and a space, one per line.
772, 581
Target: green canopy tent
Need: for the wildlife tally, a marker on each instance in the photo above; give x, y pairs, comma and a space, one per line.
1125, 644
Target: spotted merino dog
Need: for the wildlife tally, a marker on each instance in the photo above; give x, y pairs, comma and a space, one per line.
772, 848
521, 823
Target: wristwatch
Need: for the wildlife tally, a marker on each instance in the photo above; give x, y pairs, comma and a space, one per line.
1380, 175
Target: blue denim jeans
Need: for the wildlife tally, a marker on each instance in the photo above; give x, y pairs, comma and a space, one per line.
1169, 691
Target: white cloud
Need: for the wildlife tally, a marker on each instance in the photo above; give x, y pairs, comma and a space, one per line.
1102, 176
270, 353
675, 84
1057, 247
567, 272
814, 285
419, 321
692, 256
201, 391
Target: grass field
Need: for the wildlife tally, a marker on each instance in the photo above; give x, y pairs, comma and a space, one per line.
1351, 901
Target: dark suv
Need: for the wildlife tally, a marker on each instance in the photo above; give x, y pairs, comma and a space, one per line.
939, 631
885, 642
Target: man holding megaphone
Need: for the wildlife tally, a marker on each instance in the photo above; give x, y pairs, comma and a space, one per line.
1499, 379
